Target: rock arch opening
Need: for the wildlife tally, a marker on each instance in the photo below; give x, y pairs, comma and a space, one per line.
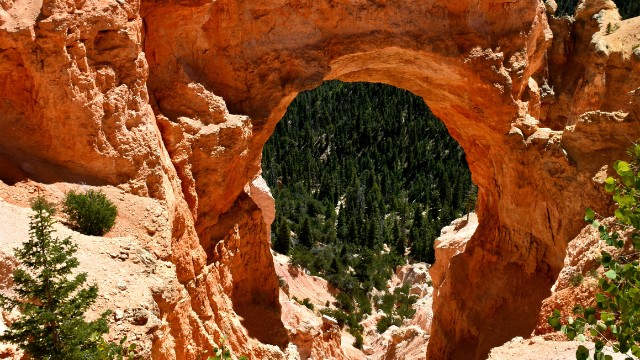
365, 177
365, 148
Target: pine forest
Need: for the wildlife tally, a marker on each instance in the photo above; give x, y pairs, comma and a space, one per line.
364, 178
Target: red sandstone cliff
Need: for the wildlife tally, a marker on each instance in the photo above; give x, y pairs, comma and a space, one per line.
172, 100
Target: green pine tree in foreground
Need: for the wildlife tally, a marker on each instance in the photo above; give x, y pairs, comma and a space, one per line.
51, 300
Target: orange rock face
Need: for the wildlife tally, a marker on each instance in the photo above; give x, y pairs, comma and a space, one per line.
174, 99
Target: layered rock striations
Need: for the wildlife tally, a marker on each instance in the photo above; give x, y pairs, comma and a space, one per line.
174, 99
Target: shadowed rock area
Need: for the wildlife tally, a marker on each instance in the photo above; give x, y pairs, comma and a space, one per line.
174, 100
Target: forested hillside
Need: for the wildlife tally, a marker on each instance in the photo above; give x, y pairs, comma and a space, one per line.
628, 8
355, 166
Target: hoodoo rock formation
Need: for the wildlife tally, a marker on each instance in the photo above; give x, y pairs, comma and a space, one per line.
174, 99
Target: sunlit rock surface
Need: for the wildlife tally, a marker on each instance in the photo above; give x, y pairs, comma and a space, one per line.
174, 99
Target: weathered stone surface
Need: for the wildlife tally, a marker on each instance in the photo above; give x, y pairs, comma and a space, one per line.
261, 195
314, 337
451, 242
179, 109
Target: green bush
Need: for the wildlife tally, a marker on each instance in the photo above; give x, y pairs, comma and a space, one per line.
90, 213
383, 324
386, 303
306, 302
612, 320
576, 280
281, 282
359, 341
339, 315
364, 304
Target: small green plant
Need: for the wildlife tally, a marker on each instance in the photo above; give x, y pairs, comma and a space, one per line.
109, 351
397, 306
576, 280
593, 273
613, 320
612, 28
359, 340
52, 300
91, 213
339, 315
386, 322
305, 302
281, 282
222, 353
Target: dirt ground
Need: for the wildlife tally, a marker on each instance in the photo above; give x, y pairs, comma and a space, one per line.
123, 264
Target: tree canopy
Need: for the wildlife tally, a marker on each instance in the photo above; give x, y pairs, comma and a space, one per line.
355, 166
627, 8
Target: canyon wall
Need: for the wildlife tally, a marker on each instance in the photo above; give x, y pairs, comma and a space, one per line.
174, 99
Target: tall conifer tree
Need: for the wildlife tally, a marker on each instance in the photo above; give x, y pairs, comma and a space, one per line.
282, 241
305, 237
52, 302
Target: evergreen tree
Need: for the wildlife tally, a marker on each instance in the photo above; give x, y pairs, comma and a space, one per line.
430, 253
353, 235
341, 227
282, 241
470, 201
417, 236
304, 237
51, 301
399, 245
627, 8
416, 243
335, 267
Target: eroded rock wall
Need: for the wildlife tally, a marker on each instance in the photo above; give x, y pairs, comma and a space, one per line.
174, 99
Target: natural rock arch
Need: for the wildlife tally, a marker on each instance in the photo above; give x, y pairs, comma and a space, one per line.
539, 105
479, 66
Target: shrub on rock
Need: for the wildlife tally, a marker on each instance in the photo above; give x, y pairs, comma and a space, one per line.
91, 213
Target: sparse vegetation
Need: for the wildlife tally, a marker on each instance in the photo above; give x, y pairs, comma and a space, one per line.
52, 301
305, 302
386, 322
397, 306
351, 319
627, 8
612, 28
359, 340
576, 280
222, 353
612, 321
91, 213
281, 282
